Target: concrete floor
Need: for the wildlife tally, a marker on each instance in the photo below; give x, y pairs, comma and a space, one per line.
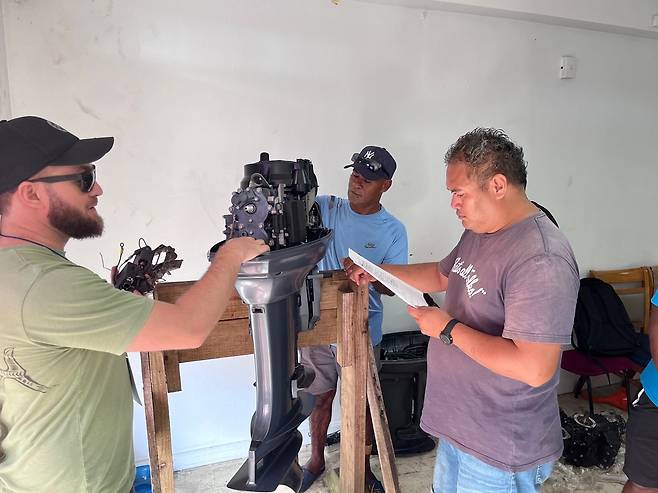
415, 473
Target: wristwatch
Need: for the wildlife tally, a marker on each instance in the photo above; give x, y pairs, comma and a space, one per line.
445, 335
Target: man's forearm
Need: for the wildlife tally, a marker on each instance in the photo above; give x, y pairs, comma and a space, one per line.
504, 357
424, 277
204, 303
187, 322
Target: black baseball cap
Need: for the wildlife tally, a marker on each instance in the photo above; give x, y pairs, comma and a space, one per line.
30, 143
373, 163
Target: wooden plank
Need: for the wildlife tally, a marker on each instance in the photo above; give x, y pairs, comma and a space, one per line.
385, 449
353, 315
158, 430
232, 338
171, 291
344, 313
623, 291
325, 332
172, 371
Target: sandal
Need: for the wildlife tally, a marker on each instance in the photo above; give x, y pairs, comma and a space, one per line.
309, 478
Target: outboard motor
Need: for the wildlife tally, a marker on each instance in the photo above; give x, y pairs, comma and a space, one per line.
276, 203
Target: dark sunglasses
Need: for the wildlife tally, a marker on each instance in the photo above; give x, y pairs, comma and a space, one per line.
86, 179
371, 164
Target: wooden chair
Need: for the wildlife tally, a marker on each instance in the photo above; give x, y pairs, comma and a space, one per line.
635, 287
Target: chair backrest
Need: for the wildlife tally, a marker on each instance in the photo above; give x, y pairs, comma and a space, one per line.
654, 278
635, 288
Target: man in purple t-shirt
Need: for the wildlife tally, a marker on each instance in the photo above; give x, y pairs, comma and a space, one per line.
493, 360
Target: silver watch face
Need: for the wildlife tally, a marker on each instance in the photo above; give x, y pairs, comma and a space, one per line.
445, 338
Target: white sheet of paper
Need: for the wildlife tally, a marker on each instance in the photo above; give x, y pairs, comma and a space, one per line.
409, 294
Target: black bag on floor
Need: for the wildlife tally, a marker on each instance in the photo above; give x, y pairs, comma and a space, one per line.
591, 440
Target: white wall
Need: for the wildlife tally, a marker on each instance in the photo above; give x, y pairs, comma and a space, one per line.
192, 93
5, 110
636, 18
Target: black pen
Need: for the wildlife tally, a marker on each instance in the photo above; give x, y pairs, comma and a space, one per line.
430, 301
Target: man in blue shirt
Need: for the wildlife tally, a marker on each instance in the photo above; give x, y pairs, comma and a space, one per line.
361, 223
641, 459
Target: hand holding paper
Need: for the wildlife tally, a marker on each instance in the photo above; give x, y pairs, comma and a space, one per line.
409, 294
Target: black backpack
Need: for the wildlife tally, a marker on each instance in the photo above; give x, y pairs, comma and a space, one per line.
602, 326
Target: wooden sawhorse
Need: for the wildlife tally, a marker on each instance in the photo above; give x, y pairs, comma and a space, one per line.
343, 320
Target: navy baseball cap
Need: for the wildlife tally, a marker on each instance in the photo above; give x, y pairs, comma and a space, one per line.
29, 143
373, 163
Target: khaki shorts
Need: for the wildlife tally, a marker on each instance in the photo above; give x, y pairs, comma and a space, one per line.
322, 360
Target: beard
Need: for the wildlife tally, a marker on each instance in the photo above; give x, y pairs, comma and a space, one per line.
72, 222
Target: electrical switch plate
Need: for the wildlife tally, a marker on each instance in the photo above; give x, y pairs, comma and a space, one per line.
567, 67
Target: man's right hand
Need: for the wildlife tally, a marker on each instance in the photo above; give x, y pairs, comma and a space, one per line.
243, 249
356, 273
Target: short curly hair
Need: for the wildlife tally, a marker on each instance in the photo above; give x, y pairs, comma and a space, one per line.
488, 152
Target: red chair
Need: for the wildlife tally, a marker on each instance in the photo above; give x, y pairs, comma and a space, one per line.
587, 367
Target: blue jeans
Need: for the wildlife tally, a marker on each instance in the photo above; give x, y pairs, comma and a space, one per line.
458, 472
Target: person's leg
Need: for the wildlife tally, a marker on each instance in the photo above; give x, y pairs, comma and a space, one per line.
322, 360
446, 468
530, 480
641, 458
631, 487
459, 472
476, 476
319, 424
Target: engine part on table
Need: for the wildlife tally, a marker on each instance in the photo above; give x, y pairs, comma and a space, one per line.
145, 268
276, 203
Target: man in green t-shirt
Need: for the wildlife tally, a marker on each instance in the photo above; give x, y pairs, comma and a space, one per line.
65, 396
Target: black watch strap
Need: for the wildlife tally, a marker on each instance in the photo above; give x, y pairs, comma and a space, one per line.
445, 335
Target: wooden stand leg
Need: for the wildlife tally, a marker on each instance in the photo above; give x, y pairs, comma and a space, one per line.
353, 358
157, 422
380, 425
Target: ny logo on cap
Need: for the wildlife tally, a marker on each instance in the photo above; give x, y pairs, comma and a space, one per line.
369, 155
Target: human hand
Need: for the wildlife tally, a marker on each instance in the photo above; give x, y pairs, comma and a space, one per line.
431, 320
356, 273
243, 249
113, 277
